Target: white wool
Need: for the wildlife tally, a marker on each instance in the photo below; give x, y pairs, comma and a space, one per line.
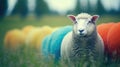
74, 43
83, 15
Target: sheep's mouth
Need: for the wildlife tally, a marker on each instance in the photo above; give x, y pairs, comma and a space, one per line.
82, 35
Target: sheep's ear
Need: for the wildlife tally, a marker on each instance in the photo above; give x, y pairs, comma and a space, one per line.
94, 18
72, 17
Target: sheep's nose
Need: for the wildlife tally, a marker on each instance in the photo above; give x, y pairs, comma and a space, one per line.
81, 31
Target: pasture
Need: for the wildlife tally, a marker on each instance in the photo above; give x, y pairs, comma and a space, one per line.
30, 57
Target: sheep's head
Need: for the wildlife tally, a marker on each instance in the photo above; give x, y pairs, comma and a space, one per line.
84, 24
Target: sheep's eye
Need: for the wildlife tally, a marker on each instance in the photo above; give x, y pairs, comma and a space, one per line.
89, 22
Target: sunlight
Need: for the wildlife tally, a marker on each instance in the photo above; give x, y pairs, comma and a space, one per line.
61, 6
11, 4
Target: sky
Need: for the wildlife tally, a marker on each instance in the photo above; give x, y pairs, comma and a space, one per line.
31, 5
11, 4
111, 4
62, 6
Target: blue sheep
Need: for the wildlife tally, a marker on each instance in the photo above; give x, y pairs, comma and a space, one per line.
51, 44
44, 46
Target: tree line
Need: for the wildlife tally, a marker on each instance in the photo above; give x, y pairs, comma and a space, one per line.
41, 8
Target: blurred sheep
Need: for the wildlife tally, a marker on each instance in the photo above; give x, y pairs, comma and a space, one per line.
27, 29
36, 36
14, 38
113, 40
103, 30
52, 43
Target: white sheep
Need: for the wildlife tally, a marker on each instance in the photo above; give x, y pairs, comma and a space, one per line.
83, 42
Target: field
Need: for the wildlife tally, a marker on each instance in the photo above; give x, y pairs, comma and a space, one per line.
29, 57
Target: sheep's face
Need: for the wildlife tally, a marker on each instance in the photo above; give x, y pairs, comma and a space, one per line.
84, 26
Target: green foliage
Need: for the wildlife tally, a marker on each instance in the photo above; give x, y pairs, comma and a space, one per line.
100, 8
20, 8
41, 8
3, 8
77, 8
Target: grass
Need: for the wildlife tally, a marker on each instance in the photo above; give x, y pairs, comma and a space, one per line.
30, 57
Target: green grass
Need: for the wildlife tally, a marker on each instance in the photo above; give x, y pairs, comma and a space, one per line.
29, 57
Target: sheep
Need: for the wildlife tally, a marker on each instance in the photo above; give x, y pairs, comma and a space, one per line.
36, 36
103, 30
51, 44
83, 42
113, 40
44, 50
14, 38
27, 29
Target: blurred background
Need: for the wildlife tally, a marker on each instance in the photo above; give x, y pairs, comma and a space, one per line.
39, 8
16, 14
19, 13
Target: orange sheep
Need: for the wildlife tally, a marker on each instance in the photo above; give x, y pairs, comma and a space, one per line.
103, 30
14, 38
113, 40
